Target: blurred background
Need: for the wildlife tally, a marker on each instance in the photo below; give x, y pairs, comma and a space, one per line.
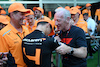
51, 5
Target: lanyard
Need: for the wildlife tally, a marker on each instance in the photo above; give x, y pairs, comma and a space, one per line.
20, 37
67, 32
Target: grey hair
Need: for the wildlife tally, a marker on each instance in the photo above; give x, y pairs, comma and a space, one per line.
65, 12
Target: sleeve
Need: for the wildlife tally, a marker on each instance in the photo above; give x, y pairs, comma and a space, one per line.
54, 43
81, 39
24, 57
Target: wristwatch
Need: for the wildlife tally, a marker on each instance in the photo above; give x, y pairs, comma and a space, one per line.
72, 51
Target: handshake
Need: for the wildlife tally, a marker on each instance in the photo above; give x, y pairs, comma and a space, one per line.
64, 49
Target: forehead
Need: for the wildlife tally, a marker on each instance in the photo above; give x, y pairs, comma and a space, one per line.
59, 15
37, 10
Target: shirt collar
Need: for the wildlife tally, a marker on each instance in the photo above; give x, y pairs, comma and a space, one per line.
15, 30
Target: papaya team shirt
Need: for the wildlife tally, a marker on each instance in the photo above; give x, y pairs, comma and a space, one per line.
33, 28
97, 13
82, 24
87, 11
11, 40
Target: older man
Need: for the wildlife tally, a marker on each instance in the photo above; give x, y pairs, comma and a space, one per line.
76, 48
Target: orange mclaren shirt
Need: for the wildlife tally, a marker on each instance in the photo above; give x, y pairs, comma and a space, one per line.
82, 24
87, 11
97, 13
1, 47
33, 28
11, 39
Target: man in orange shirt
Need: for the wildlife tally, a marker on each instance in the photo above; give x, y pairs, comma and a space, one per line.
39, 13
31, 21
87, 10
13, 34
97, 14
75, 13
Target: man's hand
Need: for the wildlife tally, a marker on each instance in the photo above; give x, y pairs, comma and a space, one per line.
63, 49
57, 38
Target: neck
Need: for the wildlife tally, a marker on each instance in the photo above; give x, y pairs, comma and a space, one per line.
41, 28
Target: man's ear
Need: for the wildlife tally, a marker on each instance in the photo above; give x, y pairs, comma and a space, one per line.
11, 15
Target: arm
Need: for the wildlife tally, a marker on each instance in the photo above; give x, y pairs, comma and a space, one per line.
80, 42
78, 52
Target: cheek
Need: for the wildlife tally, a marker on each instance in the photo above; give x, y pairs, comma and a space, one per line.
17, 17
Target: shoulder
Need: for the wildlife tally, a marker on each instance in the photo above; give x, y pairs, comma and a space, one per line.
76, 29
98, 9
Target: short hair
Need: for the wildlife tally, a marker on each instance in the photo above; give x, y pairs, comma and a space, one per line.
65, 11
43, 23
85, 14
